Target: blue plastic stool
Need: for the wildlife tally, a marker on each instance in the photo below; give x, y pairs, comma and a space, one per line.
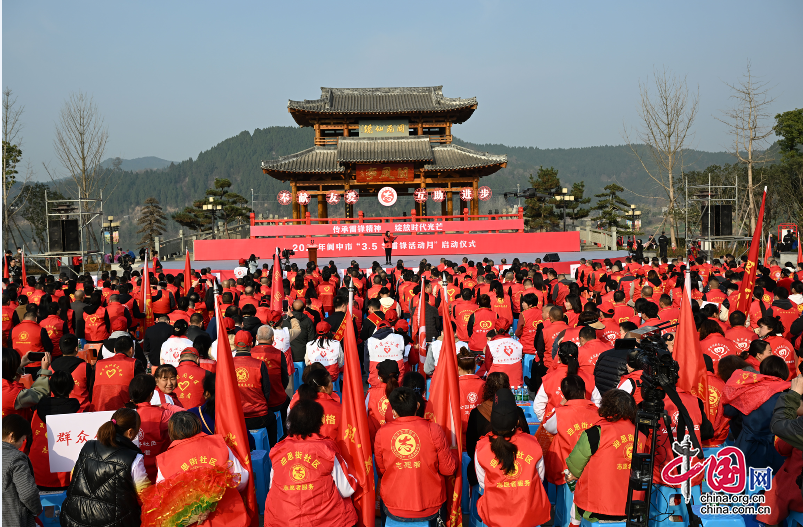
336, 386
663, 508
515, 325
474, 519
260, 463
55, 500
586, 523
794, 519
297, 375
707, 452
279, 426
716, 520
390, 522
260, 439
429, 382
527, 363
465, 500
563, 505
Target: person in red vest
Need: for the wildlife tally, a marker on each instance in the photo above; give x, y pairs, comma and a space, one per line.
471, 387
16, 398
510, 470
189, 446
529, 321
413, 458
153, 437
316, 487
113, 375
600, 460
55, 327
190, 379
462, 309
82, 373
163, 301
549, 395
326, 291
387, 243
503, 354
784, 309
713, 341
771, 330
740, 333
550, 335
59, 403
253, 380
318, 387
590, 347
480, 323
276, 363
95, 325
376, 402
166, 377
30, 337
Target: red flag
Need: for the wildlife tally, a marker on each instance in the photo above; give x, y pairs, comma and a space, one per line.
749, 280
354, 441
799, 250
422, 322
276, 287
187, 274
229, 418
5, 267
689, 355
24, 272
767, 253
445, 400
146, 297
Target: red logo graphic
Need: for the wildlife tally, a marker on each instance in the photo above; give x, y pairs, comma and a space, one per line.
387, 196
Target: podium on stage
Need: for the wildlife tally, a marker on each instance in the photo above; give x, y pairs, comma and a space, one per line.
312, 249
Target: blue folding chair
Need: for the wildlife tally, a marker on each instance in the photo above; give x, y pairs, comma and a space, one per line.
260, 463
564, 498
667, 507
51, 507
297, 375
474, 519
336, 386
586, 523
279, 426
429, 382
717, 520
794, 519
260, 438
465, 501
527, 363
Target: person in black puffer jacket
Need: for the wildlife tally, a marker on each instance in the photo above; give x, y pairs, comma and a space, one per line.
107, 477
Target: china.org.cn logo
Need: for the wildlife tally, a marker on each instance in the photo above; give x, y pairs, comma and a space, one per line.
726, 471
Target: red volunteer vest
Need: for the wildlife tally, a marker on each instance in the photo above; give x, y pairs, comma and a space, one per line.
8, 313
663, 449
716, 390
590, 352
635, 377
162, 306
249, 380
572, 418
529, 321
80, 391
391, 347
10, 392
303, 491
40, 459
273, 362
551, 334
551, 384
741, 337
190, 384
327, 355
209, 365
783, 348
462, 311
152, 435
602, 488
112, 377
716, 346
501, 307
332, 410
26, 337
507, 358
378, 405
209, 451
115, 309
55, 330
95, 329
518, 498
484, 320
471, 390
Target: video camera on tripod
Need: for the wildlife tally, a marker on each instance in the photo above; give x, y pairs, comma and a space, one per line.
660, 374
286, 254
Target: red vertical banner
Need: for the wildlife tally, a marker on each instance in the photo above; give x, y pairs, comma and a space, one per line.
187, 274
354, 440
688, 353
276, 287
749, 280
767, 252
445, 399
799, 248
229, 418
147, 301
5, 266
24, 272
422, 322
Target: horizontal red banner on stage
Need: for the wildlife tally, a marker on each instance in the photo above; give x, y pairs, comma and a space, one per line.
371, 246
402, 227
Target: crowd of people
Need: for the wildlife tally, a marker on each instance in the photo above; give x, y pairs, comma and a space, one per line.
525, 335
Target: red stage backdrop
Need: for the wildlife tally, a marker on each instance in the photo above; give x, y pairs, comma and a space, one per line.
480, 244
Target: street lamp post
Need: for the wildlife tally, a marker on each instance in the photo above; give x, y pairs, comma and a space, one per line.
633, 214
564, 197
111, 226
213, 209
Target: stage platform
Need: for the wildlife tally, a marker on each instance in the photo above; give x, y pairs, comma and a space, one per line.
566, 264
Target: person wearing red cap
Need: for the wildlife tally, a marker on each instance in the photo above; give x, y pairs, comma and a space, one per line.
190, 379
502, 353
241, 270
325, 350
382, 345
276, 362
253, 380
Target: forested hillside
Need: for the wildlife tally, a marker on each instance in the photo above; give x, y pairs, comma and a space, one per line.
238, 159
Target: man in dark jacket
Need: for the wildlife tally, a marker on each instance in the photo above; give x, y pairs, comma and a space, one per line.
785, 422
196, 326
69, 360
155, 336
298, 345
251, 323
21, 503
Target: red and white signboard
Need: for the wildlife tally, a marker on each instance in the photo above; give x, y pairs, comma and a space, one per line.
387, 196
420, 195
438, 195
332, 197
303, 197
284, 197
466, 194
484, 193
68, 433
352, 196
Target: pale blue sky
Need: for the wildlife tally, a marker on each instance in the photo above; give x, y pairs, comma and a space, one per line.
175, 78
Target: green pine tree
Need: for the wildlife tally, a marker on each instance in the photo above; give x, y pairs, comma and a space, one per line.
612, 208
540, 213
151, 223
576, 212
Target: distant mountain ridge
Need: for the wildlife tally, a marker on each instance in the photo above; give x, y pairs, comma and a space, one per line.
139, 164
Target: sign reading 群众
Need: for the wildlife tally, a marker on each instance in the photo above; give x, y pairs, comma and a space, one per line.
385, 172
67, 434
384, 128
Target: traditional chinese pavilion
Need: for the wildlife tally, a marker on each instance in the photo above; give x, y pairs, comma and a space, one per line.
370, 138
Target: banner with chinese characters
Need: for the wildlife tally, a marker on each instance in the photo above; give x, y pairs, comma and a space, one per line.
385, 172
458, 225
384, 128
68, 433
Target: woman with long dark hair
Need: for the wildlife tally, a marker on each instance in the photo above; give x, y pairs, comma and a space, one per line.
206, 412
549, 394
377, 399
510, 470
108, 476
318, 387
387, 243
66, 313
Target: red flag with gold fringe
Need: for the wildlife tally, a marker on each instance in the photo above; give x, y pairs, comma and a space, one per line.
229, 418
689, 354
276, 286
749, 281
147, 300
187, 274
353, 439
445, 400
